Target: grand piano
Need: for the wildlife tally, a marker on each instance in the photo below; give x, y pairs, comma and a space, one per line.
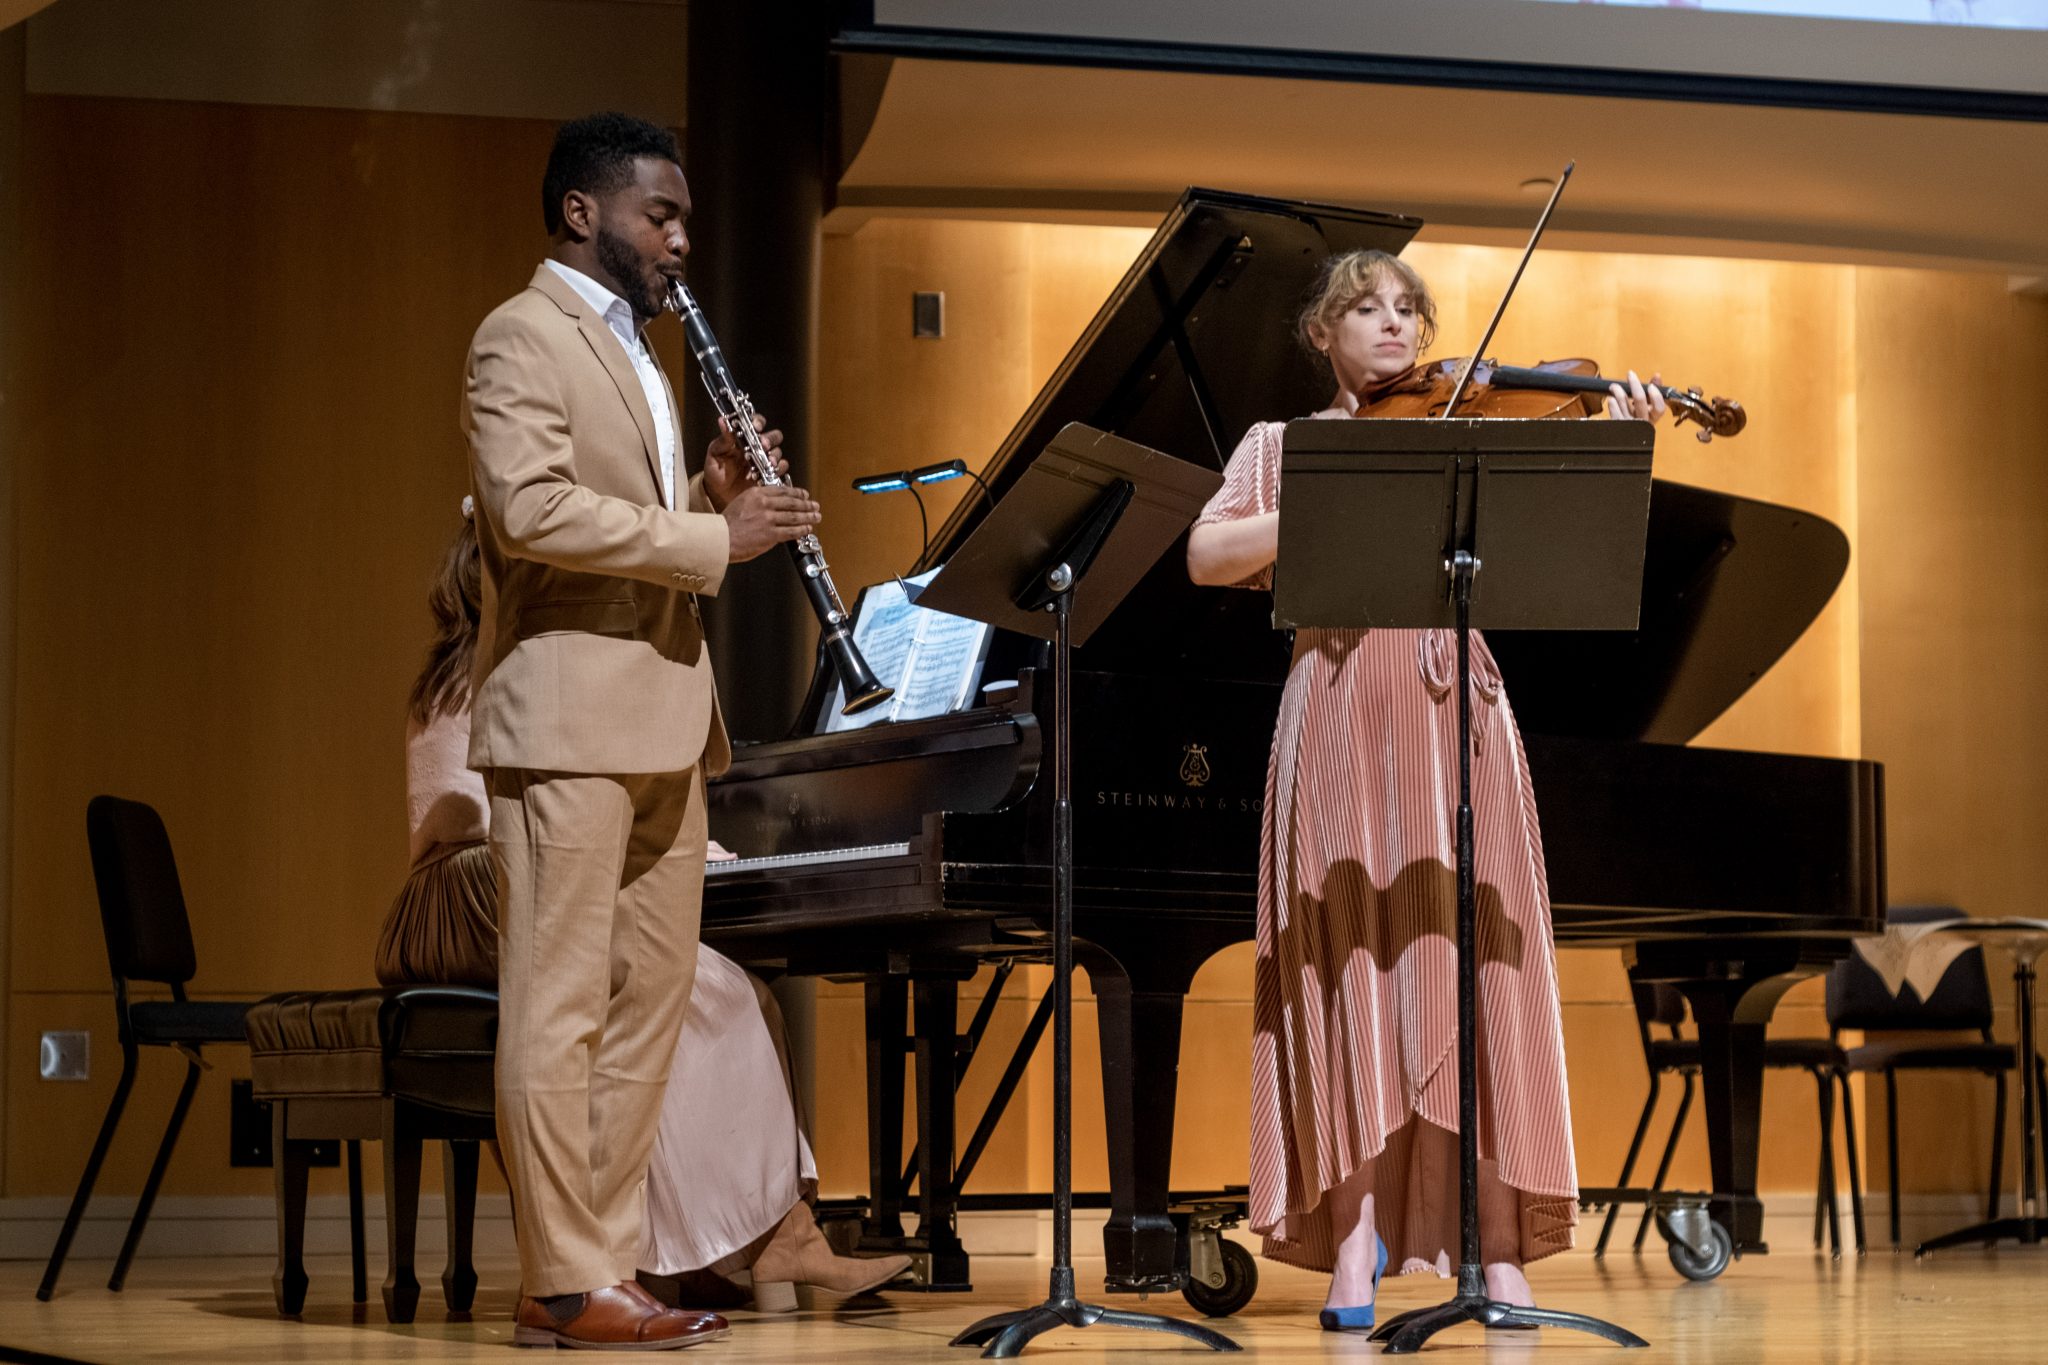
909, 854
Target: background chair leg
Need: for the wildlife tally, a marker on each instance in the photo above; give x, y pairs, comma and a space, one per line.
156, 1176
1820, 1187
1670, 1150
1628, 1165
1891, 1143
291, 1163
1855, 1172
1997, 1149
458, 1182
359, 1274
83, 1195
401, 1214
1824, 1199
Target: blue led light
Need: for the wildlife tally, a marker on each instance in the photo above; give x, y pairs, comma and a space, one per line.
939, 473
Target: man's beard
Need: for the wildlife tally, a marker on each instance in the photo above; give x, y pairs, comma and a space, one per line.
623, 264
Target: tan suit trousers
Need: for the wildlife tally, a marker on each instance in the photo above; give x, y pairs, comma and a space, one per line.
601, 889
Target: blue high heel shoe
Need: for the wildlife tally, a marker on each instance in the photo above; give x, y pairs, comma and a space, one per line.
1351, 1319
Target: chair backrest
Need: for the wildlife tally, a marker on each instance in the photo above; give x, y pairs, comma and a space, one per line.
1858, 997
142, 907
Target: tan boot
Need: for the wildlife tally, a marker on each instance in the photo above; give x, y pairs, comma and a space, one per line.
797, 1253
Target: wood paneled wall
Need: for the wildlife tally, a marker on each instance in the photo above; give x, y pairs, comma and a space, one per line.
239, 463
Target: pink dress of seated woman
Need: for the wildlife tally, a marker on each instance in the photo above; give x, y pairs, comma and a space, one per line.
728, 1184
1354, 1113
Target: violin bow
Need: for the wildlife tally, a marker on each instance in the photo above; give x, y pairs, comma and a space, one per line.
1472, 361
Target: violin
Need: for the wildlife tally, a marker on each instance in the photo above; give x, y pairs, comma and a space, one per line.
1550, 388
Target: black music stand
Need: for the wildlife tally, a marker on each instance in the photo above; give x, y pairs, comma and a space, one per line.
1380, 527
1098, 509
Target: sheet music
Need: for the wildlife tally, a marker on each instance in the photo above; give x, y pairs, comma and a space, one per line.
930, 658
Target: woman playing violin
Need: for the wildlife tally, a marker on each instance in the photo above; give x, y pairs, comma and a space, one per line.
1354, 1157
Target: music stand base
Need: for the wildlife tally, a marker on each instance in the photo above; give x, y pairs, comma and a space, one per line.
1006, 1334
1407, 1332
2026, 1231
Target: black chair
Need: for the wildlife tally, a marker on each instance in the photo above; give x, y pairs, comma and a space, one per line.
1961, 1002
149, 941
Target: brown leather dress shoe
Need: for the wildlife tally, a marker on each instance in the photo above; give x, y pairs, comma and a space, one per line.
619, 1318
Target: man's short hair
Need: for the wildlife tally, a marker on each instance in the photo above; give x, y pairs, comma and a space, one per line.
596, 155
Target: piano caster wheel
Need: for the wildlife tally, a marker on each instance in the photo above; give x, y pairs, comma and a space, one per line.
1704, 1262
1232, 1281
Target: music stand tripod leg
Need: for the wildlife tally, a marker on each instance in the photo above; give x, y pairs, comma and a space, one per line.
1407, 1332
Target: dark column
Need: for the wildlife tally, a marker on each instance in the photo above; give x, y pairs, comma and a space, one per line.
754, 156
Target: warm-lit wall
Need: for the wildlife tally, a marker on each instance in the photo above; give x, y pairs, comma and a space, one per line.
239, 462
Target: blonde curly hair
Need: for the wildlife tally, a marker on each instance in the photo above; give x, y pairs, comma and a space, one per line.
1346, 278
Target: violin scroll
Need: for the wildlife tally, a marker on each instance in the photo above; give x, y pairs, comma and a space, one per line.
1718, 417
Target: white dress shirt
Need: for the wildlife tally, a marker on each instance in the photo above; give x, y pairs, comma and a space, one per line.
618, 316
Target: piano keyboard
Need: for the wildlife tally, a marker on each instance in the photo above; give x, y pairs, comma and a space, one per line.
824, 857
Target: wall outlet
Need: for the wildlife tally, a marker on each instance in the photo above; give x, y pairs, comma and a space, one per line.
927, 313
249, 1132
66, 1055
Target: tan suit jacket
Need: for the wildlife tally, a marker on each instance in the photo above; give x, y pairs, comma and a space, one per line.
592, 656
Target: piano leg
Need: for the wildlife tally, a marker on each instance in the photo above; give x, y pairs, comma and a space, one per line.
1140, 983
888, 1018
1732, 1006
1140, 1034
938, 1076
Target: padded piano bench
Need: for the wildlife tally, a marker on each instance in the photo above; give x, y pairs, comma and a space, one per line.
400, 1066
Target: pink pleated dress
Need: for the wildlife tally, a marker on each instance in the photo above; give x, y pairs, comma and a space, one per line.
1354, 1054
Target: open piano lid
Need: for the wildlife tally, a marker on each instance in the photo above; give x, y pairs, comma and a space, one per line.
1728, 585
1194, 345
1187, 352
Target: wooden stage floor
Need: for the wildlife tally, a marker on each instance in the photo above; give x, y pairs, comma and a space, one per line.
1974, 1306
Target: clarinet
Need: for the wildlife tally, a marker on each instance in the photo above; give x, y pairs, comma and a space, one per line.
855, 677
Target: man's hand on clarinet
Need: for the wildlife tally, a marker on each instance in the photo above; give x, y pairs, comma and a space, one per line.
763, 516
727, 470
